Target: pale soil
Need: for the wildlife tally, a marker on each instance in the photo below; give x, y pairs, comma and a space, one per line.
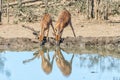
82, 28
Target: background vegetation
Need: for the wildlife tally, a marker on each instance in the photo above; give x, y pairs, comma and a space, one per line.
32, 10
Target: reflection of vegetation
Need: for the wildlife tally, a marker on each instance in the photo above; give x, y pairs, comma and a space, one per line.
3, 71
105, 63
2, 60
102, 50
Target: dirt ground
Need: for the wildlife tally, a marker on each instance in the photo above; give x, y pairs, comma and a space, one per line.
94, 33
82, 28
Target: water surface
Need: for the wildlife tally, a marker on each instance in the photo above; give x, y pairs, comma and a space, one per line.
57, 65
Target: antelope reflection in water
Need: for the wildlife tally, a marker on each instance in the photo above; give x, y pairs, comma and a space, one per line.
64, 65
46, 63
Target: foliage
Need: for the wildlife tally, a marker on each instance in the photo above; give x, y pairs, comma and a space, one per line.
31, 14
80, 5
115, 8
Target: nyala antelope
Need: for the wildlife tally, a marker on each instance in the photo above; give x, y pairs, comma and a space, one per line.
47, 63
44, 27
63, 21
64, 65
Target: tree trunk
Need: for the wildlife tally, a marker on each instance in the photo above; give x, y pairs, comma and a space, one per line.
0, 11
46, 6
106, 10
88, 9
19, 9
92, 8
95, 9
99, 9
7, 11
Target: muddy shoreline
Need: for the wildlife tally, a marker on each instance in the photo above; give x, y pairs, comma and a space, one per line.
68, 43
105, 46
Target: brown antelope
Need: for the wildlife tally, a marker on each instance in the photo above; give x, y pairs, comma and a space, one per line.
64, 65
46, 63
45, 25
63, 21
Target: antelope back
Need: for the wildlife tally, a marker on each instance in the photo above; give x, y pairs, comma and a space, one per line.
63, 20
44, 25
46, 21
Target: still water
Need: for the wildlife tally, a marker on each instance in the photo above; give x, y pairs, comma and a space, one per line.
44, 64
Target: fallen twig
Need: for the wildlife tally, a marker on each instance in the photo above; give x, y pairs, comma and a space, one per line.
32, 29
